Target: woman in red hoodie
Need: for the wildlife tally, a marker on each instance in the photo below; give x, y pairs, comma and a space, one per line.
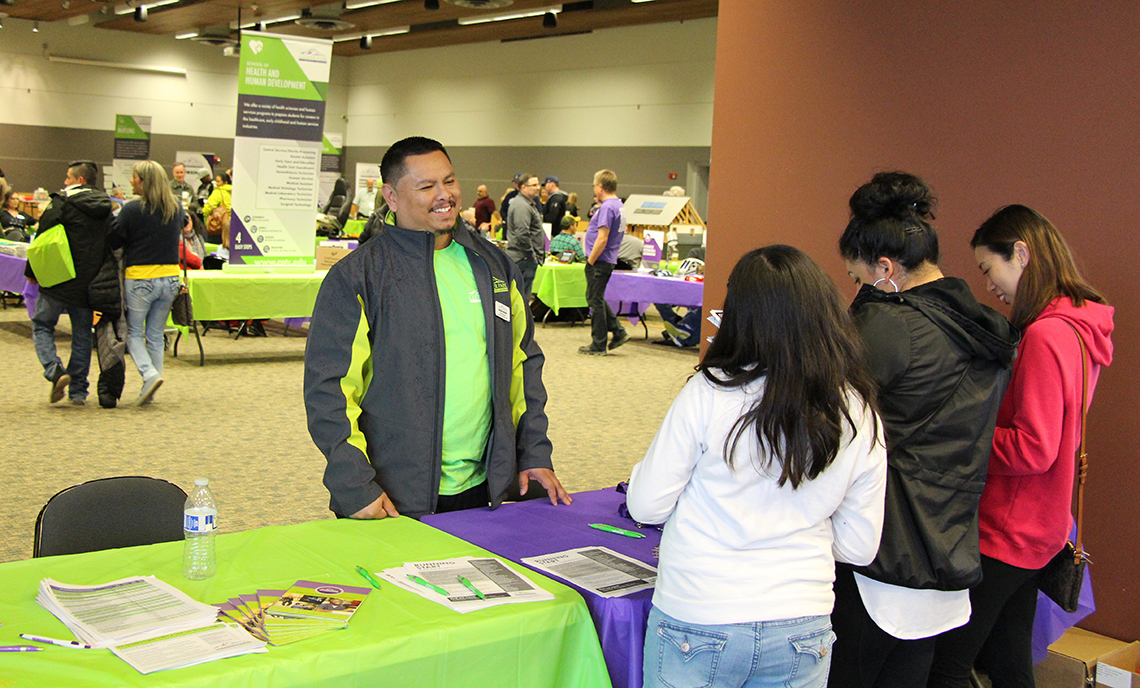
1026, 508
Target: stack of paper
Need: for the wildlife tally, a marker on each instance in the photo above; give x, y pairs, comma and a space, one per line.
304, 610
599, 570
489, 582
150, 625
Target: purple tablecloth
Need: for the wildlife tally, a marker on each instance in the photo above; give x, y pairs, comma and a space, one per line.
532, 528
12, 279
637, 287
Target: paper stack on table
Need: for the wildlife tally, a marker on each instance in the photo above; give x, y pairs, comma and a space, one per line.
443, 582
599, 570
306, 609
147, 623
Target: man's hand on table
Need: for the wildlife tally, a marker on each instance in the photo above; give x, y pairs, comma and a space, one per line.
384, 508
547, 479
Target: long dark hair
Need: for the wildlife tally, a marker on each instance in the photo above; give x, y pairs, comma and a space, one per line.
783, 321
1051, 270
890, 217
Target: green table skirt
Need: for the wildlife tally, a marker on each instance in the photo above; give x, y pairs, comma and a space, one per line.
218, 295
395, 639
561, 285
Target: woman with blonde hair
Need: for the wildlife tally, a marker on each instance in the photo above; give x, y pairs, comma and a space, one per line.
1025, 510
148, 230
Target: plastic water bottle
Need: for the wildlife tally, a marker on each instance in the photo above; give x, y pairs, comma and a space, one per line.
199, 521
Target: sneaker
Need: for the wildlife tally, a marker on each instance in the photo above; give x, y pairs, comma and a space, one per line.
58, 387
78, 401
620, 337
148, 390
675, 335
591, 350
107, 401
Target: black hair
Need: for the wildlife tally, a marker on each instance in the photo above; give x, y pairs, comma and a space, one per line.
783, 321
890, 218
392, 167
85, 169
223, 178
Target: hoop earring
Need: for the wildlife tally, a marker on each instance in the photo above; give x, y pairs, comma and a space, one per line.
888, 280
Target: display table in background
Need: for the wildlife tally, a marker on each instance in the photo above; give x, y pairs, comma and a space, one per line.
221, 295
535, 527
395, 639
561, 285
12, 279
631, 293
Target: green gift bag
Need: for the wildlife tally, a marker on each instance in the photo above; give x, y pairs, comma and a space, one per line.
50, 257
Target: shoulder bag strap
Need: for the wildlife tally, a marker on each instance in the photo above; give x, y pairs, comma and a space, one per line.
1082, 456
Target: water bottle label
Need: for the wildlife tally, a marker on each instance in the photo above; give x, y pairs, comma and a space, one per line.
198, 523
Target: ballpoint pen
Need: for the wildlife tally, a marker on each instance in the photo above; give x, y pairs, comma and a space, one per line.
368, 576
52, 641
421, 581
616, 530
20, 648
471, 587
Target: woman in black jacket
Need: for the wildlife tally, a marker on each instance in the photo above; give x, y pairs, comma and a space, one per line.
941, 362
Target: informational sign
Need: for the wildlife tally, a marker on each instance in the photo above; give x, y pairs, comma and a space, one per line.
282, 84
332, 165
132, 144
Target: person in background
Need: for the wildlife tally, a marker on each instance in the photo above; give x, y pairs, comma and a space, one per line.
148, 231
603, 239
572, 205
752, 534
1025, 511
365, 201
445, 402
526, 240
512, 191
191, 249
221, 200
554, 207
182, 191
205, 188
674, 191
941, 362
16, 225
84, 210
629, 253
566, 241
484, 209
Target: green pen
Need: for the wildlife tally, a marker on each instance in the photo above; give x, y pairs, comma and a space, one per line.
618, 531
368, 576
471, 587
421, 581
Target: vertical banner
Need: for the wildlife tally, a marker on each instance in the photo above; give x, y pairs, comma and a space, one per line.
332, 163
132, 143
282, 84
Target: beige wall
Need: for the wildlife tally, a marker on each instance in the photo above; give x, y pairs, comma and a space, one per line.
1027, 101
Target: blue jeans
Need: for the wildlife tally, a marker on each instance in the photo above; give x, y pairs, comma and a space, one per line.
792, 653
148, 305
44, 320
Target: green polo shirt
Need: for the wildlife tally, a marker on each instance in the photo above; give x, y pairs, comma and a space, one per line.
467, 391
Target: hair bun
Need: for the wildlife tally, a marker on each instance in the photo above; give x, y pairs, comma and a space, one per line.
892, 195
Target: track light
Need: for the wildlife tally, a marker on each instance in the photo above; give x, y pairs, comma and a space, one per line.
261, 26
431, 4
140, 13
35, 27
66, 4
366, 43
550, 21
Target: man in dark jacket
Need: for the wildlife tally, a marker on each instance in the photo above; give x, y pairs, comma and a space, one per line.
85, 213
423, 382
555, 206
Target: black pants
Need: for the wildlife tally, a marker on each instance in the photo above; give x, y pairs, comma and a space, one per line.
866, 656
471, 498
999, 635
527, 267
602, 318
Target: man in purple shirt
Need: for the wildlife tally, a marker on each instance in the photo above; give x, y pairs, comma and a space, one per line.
603, 239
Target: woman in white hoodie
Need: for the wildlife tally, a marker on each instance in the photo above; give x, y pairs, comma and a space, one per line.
768, 468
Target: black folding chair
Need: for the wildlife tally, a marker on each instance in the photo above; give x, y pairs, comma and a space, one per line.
112, 512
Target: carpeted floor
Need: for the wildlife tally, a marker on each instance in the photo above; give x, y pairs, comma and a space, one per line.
240, 421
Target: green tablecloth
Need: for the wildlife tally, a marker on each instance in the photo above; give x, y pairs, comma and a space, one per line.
561, 285
395, 639
354, 227
218, 295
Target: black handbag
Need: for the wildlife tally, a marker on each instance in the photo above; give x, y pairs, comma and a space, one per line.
1062, 577
182, 310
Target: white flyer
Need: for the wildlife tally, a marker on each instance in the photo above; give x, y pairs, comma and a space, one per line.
188, 648
599, 570
440, 581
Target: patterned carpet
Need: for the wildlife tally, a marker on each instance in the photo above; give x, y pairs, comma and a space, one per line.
240, 421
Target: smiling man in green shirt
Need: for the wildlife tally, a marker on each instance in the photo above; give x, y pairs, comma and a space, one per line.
423, 382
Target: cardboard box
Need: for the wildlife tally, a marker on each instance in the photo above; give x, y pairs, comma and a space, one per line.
1118, 668
1073, 659
327, 256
